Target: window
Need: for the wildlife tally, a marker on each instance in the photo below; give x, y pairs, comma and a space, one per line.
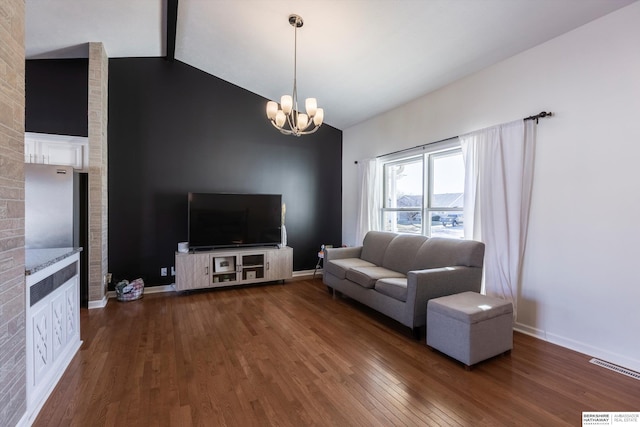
428, 185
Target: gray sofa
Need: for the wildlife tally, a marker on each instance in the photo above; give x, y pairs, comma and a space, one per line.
396, 274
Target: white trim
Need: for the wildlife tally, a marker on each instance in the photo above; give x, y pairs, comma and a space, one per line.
304, 273
171, 287
52, 382
580, 347
149, 290
24, 421
99, 304
528, 330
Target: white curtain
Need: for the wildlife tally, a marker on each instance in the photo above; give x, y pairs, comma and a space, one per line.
498, 181
369, 198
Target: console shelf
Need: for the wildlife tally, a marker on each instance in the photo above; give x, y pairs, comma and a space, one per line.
231, 267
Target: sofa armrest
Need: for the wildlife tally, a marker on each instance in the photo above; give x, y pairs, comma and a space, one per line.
423, 285
341, 253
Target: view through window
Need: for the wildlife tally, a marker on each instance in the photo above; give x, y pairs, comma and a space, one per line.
430, 186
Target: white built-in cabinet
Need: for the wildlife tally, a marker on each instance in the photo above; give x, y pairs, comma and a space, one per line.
57, 150
230, 267
53, 327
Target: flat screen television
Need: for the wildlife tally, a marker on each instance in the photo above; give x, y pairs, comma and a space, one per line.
223, 220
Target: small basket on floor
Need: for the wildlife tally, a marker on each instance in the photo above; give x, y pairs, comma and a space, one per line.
126, 291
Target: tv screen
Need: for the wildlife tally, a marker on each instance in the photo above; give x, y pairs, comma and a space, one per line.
218, 220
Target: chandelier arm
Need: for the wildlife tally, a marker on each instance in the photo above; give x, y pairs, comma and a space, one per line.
310, 131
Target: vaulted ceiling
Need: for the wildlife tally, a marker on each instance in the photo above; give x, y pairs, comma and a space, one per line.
359, 58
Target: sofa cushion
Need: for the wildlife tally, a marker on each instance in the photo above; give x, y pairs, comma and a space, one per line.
395, 288
401, 252
367, 276
439, 252
470, 307
339, 267
375, 245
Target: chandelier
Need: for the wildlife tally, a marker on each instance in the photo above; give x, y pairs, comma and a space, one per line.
286, 117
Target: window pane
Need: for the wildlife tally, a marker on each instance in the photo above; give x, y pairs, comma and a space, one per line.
403, 184
447, 180
447, 224
402, 222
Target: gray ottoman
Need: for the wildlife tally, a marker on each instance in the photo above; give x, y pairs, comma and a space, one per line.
470, 327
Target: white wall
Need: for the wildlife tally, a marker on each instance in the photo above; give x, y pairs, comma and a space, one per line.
581, 284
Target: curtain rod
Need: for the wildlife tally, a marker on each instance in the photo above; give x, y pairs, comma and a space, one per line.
535, 117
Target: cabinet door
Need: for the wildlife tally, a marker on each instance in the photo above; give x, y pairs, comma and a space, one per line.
61, 153
62, 150
72, 319
193, 271
279, 264
58, 325
253, 266
225, 268
41, 345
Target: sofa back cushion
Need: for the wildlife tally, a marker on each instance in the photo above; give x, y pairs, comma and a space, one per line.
401, 252
375, 245
439, 252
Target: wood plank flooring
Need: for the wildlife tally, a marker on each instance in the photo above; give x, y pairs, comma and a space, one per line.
292, 355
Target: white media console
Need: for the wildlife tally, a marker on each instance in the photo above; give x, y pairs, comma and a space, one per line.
231, 267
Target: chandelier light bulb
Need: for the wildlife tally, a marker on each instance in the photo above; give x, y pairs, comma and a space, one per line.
286, 117
272, 109
280, 118
319, 117
287, 103
311, 105
303, 121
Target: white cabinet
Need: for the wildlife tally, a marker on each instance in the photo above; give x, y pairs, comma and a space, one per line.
229, 267
53, 327
57, 150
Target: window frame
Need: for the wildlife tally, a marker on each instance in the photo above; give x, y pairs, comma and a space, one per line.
426, 155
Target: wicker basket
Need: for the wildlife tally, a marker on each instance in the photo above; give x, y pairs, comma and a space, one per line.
126, 291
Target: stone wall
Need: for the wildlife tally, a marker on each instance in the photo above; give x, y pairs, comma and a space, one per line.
12, 282
98, 197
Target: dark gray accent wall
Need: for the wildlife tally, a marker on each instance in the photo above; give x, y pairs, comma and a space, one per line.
56, 96
174, 129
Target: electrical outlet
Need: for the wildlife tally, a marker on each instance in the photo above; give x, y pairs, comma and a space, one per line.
163, 271
173, 270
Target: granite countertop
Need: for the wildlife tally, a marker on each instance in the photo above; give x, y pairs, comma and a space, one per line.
37, 259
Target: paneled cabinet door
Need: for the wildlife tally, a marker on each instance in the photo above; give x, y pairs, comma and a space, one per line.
61, 153
41, 344
193, 271
61, 150
58, 325
279, 265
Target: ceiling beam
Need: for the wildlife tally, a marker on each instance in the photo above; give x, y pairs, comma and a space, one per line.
172, 24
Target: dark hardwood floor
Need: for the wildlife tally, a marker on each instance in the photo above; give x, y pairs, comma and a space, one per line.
292, 355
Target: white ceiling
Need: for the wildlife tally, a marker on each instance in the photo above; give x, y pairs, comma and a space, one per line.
359, 58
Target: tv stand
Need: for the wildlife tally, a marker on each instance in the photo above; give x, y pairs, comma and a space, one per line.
232, 267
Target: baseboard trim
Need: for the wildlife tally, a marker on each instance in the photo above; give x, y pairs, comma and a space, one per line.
24, 421
149, 290
99, 304
580, 347
172, 288
306, 273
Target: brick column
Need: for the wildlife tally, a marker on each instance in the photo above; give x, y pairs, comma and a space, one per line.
98, 188
13, 382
